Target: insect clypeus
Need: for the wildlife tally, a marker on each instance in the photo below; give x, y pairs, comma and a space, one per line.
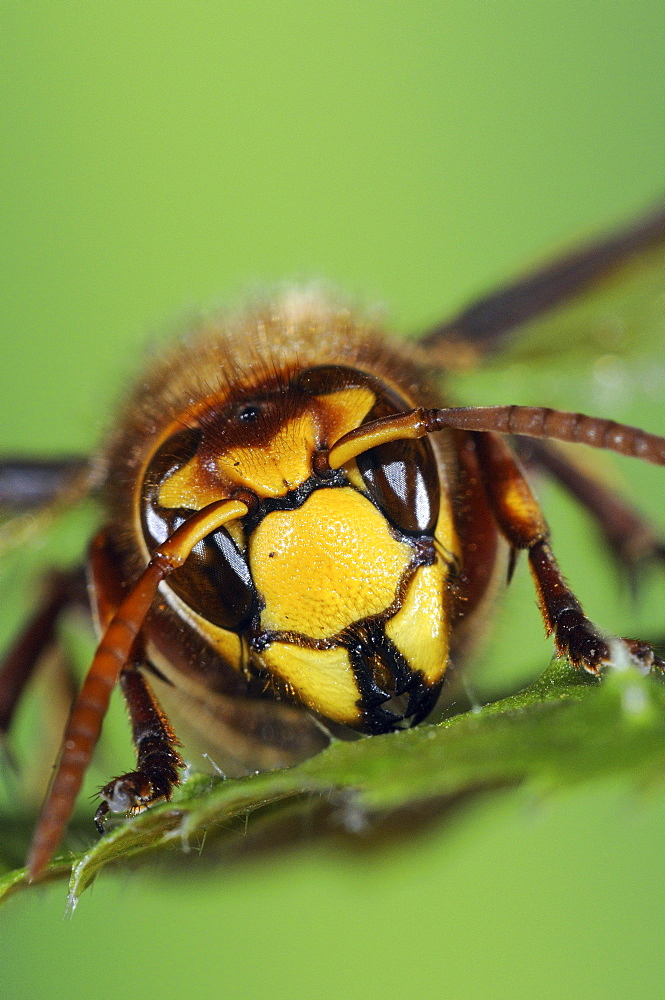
296, 529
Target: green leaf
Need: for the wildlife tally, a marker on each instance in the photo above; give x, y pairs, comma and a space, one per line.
564, 729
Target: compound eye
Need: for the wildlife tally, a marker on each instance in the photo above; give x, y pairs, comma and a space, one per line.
215, 582
325, 379
401, 478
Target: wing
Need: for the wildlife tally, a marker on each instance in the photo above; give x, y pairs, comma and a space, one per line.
499, 319
601, 351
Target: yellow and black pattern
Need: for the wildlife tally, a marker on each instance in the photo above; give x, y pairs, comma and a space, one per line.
335, 587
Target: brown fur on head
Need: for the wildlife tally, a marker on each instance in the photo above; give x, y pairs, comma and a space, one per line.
226, 357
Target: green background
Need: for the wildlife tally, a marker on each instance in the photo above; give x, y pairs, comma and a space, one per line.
159, 156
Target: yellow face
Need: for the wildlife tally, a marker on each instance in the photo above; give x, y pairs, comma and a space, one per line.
335, 587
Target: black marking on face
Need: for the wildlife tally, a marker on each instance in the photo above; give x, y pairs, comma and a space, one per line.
383, 675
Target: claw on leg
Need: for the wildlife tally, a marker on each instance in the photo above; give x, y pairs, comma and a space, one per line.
574, 634
133, 792
158, 761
